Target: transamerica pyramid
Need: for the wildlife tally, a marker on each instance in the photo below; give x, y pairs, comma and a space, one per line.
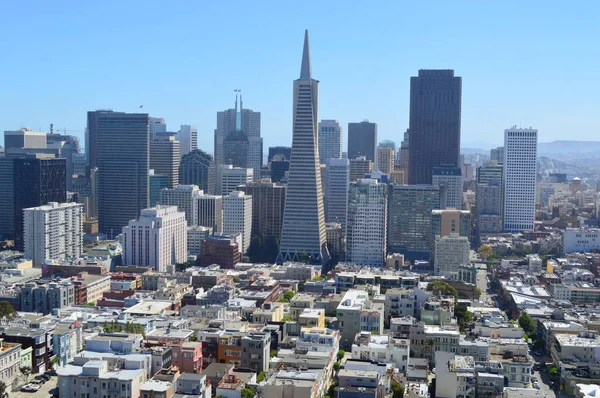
303, 230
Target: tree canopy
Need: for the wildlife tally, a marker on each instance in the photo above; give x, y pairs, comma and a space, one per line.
7, 310
463, 316
485, 252
526, 323
263, 249
442, 288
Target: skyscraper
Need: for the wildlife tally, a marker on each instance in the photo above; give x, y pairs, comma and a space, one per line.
434, 123
404, 154
122, 150
268, 202
330, 140
237, 138
156, 125
164, 157
237, 216
451, 178
497, 154
184, 197
53, 232
338, 180
195, 168
303, 228
229, 178
188, 139
366, 243
519, 177
362, 140
37, 180
210, 212
385, 159
7, 200
360, 166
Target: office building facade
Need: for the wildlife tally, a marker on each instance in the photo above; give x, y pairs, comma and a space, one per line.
450, 178
434, 123
229, 178
210, 212
362, 140
157, 239
359, 167
237, 216
188, 139
303, 229
338, 181
330, 140
366, 241
122, 150
385, 159
164, 158
268, 202
185, 198
519, 178
195, 169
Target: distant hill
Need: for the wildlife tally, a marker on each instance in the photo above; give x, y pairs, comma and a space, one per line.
568, 147
468, 151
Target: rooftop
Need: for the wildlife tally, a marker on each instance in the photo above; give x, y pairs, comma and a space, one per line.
156, 386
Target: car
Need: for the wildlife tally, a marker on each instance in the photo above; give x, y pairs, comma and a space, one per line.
46, 376
30, 388
537, 365
536, 385
40, 379
534, 379
38, 382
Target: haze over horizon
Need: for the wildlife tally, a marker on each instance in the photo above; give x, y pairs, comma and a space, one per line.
182, 63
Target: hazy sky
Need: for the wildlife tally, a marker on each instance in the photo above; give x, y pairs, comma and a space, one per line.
532, 63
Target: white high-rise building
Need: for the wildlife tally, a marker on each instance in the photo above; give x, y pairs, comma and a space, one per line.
53, 232
451, 252
188, 139
157, 125
338, 180
366, 242
450, 181
303, 230
184, 197
229, 178
237, 216
519, 178
330, 140
157, 239
210, 212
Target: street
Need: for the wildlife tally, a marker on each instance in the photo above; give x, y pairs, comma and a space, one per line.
482, 284
43, 392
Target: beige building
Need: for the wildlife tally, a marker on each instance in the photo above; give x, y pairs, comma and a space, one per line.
10, 363
385, 159
312, 317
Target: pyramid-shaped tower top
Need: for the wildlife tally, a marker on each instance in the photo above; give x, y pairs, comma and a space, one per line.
305, 72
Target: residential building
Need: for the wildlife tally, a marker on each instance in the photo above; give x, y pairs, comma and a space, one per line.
434, 123
330, 140
221, 250
489, 207
256, 349
157, 239
67, 341
357, 313
229, 178
95, 378
53, 232
188, 139
362, 140
410, 219
195, 169
36, 339
120, 149
581, 240
10, 363
193, 384
399, 303
385, 159
184, 197
303, 229
451, 252
165, 158
268, 201
37, 180
359, 167
336, 243
338, 181
580, 348
237, 216
366, 242
210, 212
382, 349
45, 297
519, 178
450, 181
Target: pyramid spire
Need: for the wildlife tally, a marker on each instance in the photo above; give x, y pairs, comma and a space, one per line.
305, 72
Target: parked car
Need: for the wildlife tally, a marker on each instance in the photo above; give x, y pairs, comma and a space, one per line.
40, 379
46, 376
30, 388
536, 385
537, 365
38, 382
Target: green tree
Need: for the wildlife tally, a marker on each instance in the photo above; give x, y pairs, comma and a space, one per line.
463, 316
247, 392
442, 288
397, 390
286, 318
553, 371
261, 376
7, 310
274, 353
25, 371
336, 366
485, 252
3, 392
340, 355
263, 249
526, 323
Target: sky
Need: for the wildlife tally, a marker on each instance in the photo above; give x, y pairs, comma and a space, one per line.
532, 63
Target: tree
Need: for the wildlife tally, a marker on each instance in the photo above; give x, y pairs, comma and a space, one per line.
274, 353
340, 355
336, 366
261, 376
463, 316
3, 392
526, 323
441, 288
397, 390
286, 318
553, 371
304, 258
263, 249
247, 392
25, 371
7, 310
485, 252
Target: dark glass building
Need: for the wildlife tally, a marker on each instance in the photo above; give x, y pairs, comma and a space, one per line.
123, 155
194, 169
362, 140
434, 123
37, 179
285, 153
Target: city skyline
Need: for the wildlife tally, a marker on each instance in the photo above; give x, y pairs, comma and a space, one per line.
490, 103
